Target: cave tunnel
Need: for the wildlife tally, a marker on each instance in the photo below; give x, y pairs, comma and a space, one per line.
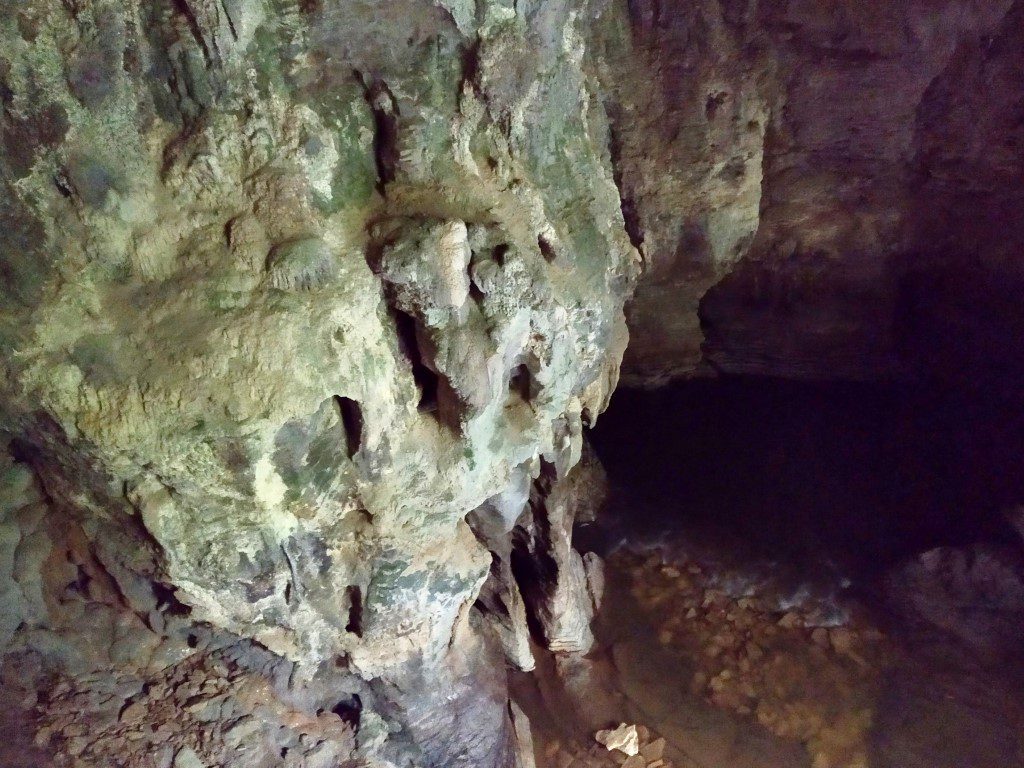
858, 474
761, 534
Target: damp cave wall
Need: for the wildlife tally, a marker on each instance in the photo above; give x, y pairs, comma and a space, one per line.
300, 299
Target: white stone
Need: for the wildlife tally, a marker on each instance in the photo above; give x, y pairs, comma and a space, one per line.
624, 738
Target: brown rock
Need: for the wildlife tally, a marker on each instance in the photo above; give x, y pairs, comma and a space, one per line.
699, 682
790, 620
134, 712
842, 639
77, 745
653, 751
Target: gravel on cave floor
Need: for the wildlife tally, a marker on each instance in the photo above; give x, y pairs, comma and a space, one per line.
741, 672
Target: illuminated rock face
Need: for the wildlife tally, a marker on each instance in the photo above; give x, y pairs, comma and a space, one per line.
292, 288
819, 187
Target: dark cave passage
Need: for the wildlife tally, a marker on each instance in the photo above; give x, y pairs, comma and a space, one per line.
859, 475
801, 575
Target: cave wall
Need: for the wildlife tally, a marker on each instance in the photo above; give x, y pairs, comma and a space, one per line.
822, 190
307, 304
292, 288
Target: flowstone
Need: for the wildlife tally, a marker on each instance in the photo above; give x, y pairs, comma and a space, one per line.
292, 289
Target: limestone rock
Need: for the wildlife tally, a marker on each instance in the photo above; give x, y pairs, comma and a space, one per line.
558, 591
815, 193
653, 750
521, 727
187, 758
624, 738
291, 289
941, 587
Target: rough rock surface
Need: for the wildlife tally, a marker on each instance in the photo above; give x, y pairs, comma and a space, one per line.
291, 288
820, 189
807, 671
307, 304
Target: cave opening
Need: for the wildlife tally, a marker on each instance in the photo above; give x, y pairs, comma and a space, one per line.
799, 573
853, 477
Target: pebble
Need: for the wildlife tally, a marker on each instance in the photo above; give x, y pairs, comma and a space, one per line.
842, 639
187, 758
789, 620
134, 712
77, 745
165, 756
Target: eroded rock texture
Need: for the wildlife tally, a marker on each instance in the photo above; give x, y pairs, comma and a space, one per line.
822, 190
292, 288
307, 304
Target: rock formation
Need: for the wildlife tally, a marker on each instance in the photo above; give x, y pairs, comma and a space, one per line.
307, 304
293, 289
821, 190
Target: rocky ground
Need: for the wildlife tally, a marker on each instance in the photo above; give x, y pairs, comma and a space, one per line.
210, 709
777, 680
803, 670
645, 750
720, 669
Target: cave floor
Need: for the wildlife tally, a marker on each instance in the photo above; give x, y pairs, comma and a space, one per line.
745, 673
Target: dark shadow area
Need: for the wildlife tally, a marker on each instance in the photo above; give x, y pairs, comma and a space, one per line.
767, 526
858, 476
